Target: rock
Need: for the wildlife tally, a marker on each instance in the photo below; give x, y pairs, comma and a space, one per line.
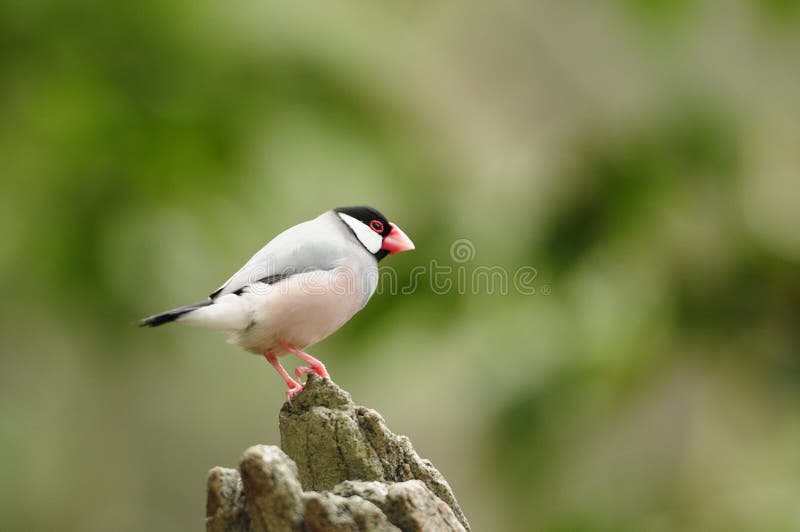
326, 511
342, 470
320, 431
225, 503
409, 505
272, 491
412, 507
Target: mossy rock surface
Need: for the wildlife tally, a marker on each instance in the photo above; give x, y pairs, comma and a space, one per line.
340, 468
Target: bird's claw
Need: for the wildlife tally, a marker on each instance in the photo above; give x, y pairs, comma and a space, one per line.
291, 392
319, 370
322, 371
302, 370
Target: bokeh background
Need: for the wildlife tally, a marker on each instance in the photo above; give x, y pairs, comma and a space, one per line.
641, 155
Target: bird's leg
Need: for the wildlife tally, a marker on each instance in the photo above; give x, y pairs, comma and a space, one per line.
294, 386
315, 365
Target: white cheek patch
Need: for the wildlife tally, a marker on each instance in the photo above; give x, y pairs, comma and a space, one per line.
371, 240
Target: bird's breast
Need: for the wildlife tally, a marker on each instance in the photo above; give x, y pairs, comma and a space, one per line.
304, 308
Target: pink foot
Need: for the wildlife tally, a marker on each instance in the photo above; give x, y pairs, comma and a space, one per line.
302, 370
291, 392
317, 366
294, 386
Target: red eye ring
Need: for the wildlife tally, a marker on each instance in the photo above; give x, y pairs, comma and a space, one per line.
376, 225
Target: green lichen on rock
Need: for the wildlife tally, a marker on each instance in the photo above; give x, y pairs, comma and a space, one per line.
341, 468
320, 432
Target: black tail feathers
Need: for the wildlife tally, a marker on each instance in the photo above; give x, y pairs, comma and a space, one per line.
172, 315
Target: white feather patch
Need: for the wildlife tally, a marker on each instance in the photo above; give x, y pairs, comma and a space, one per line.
228, 313
371, 240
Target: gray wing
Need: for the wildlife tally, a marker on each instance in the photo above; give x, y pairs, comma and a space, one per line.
309, 246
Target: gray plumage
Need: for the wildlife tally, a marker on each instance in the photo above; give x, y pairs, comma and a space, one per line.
299, 288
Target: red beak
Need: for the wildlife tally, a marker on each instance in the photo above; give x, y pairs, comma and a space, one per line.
396, 241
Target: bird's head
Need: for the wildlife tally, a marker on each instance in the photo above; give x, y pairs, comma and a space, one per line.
377, 234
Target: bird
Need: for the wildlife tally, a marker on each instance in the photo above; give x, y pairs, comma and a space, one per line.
300, 288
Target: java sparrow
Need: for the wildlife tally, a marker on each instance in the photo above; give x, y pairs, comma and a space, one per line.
298, 289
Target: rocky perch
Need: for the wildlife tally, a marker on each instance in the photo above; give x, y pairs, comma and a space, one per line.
341, 468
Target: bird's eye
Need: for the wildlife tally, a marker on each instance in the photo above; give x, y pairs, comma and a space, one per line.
376, 225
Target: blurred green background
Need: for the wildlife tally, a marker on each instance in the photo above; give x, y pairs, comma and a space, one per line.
642, 155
